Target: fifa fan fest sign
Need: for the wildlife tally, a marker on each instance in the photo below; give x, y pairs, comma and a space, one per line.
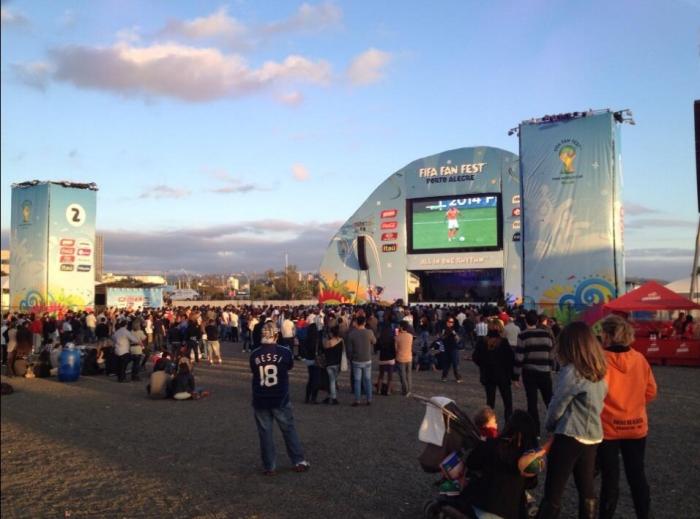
444, 227
52, 243
573, 260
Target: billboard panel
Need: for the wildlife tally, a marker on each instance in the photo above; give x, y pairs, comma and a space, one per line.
571, 206
71, 246
460, 223
135, 297
29, 246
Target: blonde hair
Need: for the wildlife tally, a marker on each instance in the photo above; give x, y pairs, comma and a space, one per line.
618, 330
484, 415
580, 347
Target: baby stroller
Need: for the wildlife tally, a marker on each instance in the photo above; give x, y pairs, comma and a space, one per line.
448, 434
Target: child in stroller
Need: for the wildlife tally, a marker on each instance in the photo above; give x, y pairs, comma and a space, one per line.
481, 478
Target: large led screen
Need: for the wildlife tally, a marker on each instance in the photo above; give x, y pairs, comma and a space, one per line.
462, 223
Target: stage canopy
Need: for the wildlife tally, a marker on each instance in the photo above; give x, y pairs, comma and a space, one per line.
651, 296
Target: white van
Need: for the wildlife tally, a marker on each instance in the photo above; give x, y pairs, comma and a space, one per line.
184, 294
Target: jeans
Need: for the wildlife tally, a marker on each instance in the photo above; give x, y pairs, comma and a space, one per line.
568, 455
135, 365
332, 378
506, 396
405, 376
285, 420
313, 381
122, 362
424, 340
362, 374
609, 462
451, 358
535, 381
193, 345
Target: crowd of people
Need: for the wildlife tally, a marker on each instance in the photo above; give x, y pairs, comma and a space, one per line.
595, 412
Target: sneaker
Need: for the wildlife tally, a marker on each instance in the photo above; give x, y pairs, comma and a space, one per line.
450, 487
459, 381
444, 380
302, 466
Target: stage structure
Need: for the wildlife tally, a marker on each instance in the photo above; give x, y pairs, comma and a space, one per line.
52, 239
444, 228
573, 256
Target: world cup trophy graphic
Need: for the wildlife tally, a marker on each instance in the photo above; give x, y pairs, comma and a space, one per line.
567, 154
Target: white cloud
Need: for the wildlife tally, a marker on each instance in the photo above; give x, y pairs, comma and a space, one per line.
131, 35
35, 75
234, 184
163, 191
632, 209
291, 98
300, 172
174, 70
308, 18
217, 26
368, 67
11, 18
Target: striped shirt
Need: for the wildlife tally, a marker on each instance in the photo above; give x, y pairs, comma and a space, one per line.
481, 329
534, 351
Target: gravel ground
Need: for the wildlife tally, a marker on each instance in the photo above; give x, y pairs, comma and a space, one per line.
96, 448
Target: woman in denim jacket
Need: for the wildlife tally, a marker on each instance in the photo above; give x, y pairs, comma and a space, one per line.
573, 416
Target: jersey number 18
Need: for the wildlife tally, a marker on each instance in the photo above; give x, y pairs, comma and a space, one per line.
268, 375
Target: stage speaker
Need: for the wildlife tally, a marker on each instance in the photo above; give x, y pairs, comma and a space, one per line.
362, 253
697, 148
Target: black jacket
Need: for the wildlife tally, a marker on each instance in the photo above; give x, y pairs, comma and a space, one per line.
495, 364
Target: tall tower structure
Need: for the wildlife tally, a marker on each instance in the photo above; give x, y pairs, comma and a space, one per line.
52, 244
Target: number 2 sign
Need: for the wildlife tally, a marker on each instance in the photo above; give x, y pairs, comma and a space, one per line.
75, 214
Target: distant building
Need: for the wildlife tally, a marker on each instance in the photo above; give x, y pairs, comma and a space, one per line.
99, 257
148, 279
5, 262
233, 283
5, 278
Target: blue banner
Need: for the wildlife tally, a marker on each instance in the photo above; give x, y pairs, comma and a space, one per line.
135, 297
29, 246
571, 203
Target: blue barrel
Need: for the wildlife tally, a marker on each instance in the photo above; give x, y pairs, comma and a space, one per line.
69, 365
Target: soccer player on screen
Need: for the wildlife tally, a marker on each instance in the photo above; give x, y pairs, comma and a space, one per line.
452, 223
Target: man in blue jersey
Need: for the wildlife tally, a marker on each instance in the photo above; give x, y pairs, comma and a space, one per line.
270, 364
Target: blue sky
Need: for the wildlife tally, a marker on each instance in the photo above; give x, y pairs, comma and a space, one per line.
223, 134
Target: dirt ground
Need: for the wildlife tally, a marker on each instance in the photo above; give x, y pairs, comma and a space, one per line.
96, 448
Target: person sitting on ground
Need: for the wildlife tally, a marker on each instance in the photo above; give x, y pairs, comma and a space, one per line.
165, 363
181, 387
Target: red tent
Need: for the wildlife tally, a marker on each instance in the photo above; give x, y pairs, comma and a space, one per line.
651, 296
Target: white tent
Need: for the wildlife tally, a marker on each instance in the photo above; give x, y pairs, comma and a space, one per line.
682, 286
